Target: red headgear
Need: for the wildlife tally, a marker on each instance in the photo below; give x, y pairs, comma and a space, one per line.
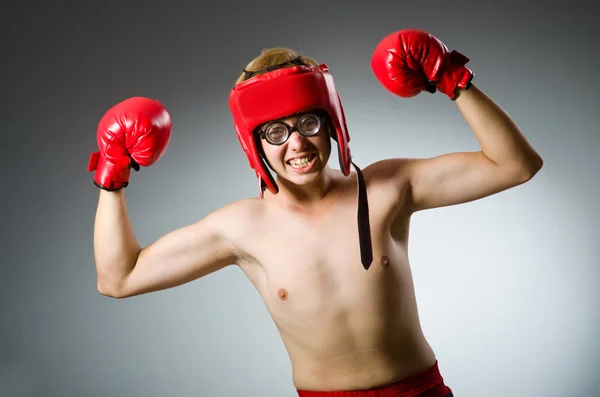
282, 93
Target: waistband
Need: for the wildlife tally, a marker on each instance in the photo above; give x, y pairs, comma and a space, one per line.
427, 383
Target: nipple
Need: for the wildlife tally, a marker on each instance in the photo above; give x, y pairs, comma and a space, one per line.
385, 262
282, 293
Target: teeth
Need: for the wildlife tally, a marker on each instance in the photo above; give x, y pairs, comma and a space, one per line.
300, 162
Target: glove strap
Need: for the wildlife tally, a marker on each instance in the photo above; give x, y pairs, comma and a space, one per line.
110, 176
456, 76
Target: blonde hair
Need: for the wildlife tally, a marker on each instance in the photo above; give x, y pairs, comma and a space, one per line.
272, 57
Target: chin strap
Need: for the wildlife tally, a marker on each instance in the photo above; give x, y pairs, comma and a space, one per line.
364, 226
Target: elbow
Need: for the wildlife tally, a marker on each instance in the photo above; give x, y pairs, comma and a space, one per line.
530, 168
535, 165
110, 291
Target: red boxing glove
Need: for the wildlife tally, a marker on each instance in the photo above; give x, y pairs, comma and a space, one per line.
410, 61
131, 134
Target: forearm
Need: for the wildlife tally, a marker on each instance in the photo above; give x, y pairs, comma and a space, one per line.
500, 138
115, 246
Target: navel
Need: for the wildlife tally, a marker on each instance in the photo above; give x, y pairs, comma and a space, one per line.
385, 262
282, 293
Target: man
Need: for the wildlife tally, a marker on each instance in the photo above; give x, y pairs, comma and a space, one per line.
338, 286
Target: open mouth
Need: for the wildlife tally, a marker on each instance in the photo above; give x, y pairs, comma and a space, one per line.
302, 163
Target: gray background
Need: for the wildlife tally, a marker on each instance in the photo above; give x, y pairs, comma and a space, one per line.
507, 286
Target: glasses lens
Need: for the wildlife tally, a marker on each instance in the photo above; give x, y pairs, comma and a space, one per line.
276, 133
309, 124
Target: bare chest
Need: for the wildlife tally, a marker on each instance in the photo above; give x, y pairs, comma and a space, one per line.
310, 266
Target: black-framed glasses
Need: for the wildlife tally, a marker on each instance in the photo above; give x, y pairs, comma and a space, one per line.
277, 132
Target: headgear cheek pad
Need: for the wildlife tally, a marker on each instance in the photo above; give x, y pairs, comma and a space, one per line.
282, 93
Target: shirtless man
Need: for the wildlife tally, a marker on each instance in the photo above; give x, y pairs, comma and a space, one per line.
338, 288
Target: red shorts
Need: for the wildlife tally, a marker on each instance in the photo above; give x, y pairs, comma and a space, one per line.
427, 383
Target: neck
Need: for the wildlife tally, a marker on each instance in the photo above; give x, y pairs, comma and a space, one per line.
291, 193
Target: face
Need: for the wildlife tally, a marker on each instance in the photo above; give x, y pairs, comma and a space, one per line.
301, 157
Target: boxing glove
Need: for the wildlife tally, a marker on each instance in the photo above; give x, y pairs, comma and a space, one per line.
409, 61
131, 134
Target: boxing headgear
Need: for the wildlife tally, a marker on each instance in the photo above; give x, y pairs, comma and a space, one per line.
281, 93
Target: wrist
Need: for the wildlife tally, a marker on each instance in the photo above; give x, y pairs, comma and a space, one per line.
456, 76
110, 176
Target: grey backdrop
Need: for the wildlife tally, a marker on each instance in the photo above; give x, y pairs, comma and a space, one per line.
507, 286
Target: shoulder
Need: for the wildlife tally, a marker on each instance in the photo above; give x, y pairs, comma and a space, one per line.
389, 184
234, 223
390, 173
239, 211
237, 218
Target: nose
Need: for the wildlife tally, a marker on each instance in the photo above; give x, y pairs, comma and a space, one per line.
296, 141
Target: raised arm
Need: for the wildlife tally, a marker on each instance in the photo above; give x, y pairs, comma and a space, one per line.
133, 134
124, 269
411, 61
506, 159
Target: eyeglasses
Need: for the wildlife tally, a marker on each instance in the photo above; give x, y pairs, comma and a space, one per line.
277, 132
